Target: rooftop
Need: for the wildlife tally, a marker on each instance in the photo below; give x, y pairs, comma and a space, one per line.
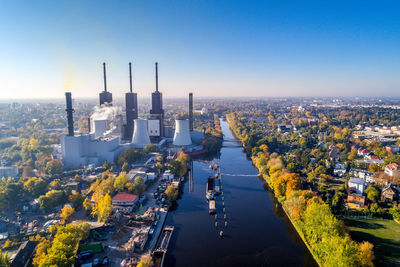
125, 197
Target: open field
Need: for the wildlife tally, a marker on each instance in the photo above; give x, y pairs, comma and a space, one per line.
384, 234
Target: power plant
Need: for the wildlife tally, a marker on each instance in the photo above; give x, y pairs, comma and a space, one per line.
108, 135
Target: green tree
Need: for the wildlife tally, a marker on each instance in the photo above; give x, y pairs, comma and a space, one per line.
51, 199
130, 156
372, 193
150, 148
125, 167
35, 186
172, 193
176, 168
139, 186
54, 167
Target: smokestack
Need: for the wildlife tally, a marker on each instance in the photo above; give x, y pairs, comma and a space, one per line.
156, 76
191, 111
88, 123
69, 111
131, 108
130, 76
105, 79
105, 97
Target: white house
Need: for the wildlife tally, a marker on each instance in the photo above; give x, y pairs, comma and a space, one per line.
358, 184
391, 169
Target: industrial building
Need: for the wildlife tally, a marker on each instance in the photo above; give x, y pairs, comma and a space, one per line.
108, 135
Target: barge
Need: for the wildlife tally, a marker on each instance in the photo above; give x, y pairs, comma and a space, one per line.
162, 246
211, 205
210, 190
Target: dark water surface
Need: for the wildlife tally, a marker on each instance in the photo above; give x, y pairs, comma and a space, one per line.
258, 232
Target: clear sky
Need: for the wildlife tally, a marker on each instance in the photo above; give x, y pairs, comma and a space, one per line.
213, 48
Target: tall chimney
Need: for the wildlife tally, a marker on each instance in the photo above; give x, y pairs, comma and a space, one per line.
105, 97
191, 111
131, 108
69, 111
88, 122
130, 76
156, 76
105, 79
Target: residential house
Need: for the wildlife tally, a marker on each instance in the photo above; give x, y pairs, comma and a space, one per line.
357, 185
334, 154
124, 201
390, 193
355, 201
363, 174
362, 152
340, 169
391, 169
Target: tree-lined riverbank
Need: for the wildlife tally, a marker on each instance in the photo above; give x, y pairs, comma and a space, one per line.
323, 233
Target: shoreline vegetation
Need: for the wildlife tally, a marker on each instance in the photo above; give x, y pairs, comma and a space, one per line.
325, 236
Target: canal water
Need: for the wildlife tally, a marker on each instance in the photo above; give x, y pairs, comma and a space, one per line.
258, 233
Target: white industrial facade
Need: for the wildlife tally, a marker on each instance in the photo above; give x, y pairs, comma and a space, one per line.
86, 149
153, 127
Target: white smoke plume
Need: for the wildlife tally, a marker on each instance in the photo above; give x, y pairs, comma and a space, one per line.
109, 113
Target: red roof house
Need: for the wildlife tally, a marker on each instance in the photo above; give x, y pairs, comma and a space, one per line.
124, 199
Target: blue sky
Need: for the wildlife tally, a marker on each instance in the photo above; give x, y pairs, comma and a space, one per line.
213, 48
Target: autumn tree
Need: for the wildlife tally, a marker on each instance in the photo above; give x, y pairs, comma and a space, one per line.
41, 251
120, 181
366, 254
146, 261
87, 205
103, 208
66, 212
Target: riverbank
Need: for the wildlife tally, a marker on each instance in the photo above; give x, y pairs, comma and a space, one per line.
324, 235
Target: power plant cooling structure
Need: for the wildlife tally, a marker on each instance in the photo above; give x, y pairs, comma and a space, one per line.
182, 133
140, 137
69, 111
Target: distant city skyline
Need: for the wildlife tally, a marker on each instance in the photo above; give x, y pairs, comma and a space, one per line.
210, 48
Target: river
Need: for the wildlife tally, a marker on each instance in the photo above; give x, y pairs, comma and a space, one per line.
258, 233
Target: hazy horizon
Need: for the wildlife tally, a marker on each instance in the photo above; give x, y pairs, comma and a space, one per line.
210, 48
